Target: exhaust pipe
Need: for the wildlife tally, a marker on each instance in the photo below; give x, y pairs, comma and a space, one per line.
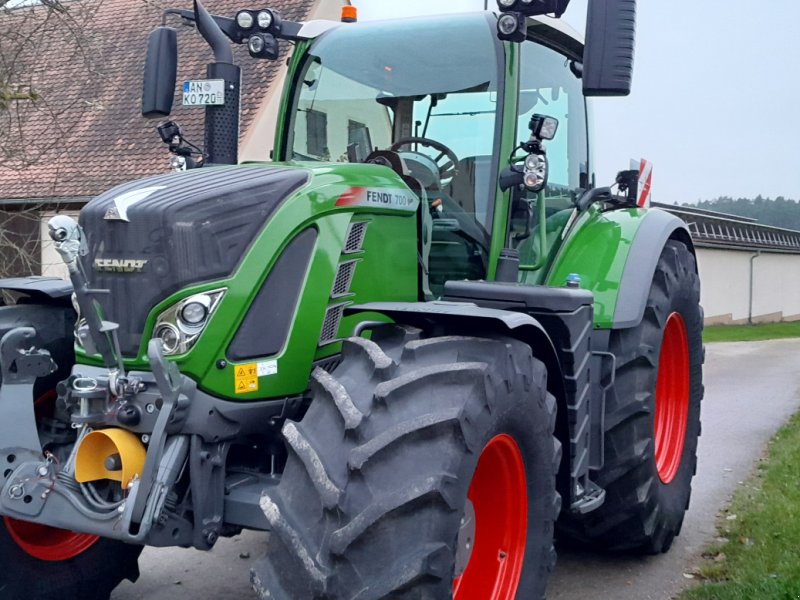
222, 122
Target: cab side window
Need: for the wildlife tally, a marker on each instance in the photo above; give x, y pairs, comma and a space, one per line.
549, 87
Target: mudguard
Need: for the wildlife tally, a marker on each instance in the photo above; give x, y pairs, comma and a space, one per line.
39, 288
46, 307
462, 315
615, 253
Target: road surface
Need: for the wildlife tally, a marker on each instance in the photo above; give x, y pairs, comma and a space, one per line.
751, 389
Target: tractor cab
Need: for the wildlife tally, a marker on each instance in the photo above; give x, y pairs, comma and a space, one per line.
428, 99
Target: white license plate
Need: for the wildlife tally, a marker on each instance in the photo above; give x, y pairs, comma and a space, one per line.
204, 92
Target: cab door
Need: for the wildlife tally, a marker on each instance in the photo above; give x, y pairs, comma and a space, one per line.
549, 86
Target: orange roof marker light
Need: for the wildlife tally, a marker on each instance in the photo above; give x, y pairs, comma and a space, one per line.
349, 14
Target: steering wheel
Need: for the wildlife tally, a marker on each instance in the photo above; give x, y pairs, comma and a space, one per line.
447, 170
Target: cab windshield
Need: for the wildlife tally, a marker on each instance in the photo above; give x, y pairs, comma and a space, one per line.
423, 90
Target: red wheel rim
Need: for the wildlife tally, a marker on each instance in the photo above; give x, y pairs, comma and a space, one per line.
40, 541
500, 501
48, 543
672, 398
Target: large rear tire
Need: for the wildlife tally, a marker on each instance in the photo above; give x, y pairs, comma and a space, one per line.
652, 417
424, 468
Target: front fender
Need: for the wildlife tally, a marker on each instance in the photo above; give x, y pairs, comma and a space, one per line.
615, 253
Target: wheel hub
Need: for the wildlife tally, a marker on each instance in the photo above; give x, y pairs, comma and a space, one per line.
466, 539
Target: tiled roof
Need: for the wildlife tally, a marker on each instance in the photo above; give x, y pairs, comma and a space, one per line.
86, 134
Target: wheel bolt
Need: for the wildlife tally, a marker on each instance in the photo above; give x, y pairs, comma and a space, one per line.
16, 491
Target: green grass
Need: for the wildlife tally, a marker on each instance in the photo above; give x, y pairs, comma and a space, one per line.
751, 333
758, 552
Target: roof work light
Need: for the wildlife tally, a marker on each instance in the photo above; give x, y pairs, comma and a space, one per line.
511, 24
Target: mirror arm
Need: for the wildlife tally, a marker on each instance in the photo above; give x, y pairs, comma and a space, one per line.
599, 194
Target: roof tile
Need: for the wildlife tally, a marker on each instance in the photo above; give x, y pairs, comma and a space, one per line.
86, 134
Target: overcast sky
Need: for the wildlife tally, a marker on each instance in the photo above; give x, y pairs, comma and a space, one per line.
716, 96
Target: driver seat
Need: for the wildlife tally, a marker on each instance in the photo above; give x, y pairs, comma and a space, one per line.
472, 177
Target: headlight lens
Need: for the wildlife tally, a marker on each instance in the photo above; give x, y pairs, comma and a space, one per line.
244, 20
194, 313
264, 19
170, 338
179, 327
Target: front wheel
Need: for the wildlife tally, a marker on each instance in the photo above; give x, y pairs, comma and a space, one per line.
424, 468
44, 563
652, 418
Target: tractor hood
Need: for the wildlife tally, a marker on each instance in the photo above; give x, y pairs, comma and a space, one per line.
150, 238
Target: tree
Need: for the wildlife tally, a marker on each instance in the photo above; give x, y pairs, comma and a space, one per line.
35, 38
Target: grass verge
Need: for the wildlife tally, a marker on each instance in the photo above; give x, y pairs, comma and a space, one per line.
751, 333
758, 552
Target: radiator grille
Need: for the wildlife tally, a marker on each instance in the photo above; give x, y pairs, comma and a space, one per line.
330, 326
355, 237
344, 277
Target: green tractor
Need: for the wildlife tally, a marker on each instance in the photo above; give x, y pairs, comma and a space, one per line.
413, 349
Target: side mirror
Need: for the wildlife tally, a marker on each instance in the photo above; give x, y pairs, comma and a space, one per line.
160, 72
610, 42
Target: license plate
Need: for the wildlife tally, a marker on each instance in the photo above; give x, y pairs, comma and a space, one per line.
204, 92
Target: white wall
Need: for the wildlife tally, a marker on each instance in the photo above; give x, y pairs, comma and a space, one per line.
725, 281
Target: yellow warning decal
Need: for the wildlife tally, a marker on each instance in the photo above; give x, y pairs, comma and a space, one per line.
245, 378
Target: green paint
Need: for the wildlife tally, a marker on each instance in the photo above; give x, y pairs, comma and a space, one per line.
387, 270
507, 144
596, 248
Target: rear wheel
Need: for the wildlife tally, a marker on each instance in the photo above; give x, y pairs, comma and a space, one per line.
653, 416
424, 468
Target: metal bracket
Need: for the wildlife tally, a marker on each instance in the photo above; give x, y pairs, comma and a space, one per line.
168, 380
21, 368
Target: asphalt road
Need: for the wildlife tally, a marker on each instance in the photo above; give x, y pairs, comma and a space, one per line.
751, 389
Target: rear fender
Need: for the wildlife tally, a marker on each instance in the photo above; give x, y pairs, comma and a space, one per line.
615, 253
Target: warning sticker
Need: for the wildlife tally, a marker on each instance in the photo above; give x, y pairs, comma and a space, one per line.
245, 378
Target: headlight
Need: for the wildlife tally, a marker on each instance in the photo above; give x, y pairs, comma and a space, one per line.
170, 338
194, 313
180, 326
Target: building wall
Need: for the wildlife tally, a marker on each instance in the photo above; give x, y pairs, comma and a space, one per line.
725, 280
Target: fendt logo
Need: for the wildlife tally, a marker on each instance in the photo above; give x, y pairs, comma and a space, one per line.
119, 265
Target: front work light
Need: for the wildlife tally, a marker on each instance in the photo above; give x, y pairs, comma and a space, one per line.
244, 20
512, 27
532, 8
264, 19
263, 45
543, 127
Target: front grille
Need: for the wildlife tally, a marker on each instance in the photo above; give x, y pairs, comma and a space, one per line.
187, 228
